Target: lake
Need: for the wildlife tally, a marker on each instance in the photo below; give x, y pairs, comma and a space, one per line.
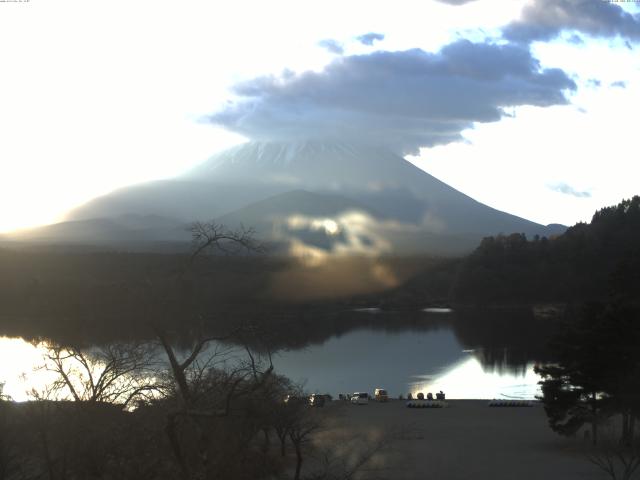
468, 356
403, 362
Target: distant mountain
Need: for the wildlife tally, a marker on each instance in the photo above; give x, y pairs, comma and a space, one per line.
125, 230
371, 195
183, 199
377, 178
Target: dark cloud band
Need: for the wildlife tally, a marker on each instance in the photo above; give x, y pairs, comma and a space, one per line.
455, 2
544, 20
403, 100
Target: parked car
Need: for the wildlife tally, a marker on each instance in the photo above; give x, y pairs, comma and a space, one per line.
381, 395
317, 400
294, 399
360, 398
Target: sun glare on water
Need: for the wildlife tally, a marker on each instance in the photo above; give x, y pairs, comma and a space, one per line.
468, 379
19, 368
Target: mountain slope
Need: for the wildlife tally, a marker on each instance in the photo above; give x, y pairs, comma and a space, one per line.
289, 204
126, 230
186, 200
261, 184
318, 220
380, 179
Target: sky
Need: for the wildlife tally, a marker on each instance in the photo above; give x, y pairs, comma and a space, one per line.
527, 105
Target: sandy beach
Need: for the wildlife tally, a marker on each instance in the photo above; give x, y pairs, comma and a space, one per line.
466, 440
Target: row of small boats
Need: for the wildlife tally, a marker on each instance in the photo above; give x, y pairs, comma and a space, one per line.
492, 403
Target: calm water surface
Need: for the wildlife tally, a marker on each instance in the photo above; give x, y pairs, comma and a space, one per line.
409, 359
403, 362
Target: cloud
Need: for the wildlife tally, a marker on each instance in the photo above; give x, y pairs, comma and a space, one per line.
575, 39
370, 38
619, 84
455, 2
546, 19
569, 190
594, 82
332, 46
351, 232
402, 100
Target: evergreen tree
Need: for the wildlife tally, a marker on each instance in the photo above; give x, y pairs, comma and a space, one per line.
597, 373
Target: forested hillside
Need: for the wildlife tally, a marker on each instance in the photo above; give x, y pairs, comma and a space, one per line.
589, 261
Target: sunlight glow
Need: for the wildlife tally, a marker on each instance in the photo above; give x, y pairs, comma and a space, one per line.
467, 379
19, 368
362, 235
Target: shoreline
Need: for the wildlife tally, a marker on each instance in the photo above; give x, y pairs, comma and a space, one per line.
467, 439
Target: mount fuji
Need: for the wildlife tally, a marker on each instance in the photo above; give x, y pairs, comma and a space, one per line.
324, 195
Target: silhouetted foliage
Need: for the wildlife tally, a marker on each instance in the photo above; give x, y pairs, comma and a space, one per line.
583, 263
11, 448
117, 410
618, 460
121, 374
596, 373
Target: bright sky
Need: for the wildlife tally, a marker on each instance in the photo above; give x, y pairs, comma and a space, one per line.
102, 94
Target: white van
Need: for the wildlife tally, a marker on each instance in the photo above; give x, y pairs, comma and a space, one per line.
360, 398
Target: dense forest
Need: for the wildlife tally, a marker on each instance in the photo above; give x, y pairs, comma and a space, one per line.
588, 261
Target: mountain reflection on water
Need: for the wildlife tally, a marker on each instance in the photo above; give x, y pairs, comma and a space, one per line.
403, 362
467, 354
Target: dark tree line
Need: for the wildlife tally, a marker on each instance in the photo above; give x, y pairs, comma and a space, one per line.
588, 261
596, 373
594, 379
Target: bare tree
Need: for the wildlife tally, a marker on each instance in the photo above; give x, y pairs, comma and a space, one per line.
50, 448
285, 415
301, 433
208, 237
208, 388
3, 396
619, 459
119, 374
11, 458
352, 455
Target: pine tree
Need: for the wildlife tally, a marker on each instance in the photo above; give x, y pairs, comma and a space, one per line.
597, 373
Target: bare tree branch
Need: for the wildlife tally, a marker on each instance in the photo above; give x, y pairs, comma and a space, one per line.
212, 236
113, 374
